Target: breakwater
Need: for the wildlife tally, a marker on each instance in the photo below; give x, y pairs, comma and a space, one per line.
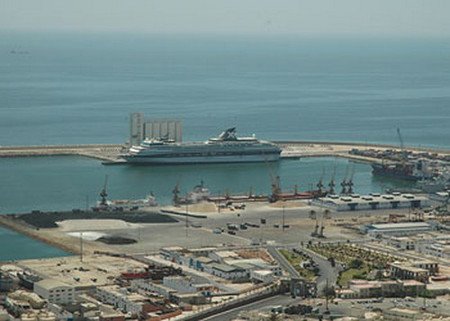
290, 149
104, 152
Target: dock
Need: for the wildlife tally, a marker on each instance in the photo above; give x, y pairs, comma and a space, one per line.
103, 152
109, 153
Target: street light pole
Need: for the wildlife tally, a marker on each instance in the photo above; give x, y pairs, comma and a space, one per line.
187, 225
81, 246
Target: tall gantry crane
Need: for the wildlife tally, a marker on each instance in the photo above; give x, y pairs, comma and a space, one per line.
402, 146
104, 193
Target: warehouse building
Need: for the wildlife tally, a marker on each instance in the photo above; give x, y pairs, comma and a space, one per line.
357, 202
55, 291
396, 229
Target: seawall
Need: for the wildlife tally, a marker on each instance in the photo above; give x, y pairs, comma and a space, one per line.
290, 149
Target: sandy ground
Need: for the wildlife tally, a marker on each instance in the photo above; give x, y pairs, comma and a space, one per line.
86, 235
84, 225
151, 237
200, 231
290, 204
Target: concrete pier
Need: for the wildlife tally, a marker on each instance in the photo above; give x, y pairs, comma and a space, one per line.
109, 153
104, 152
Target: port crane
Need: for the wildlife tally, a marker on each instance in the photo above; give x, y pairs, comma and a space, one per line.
332, 183
275, 185
104, 193
403, 154
276, 188
344, 183
320, 185
176, 192
350, 181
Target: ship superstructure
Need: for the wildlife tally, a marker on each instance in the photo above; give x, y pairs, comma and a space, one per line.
226, 148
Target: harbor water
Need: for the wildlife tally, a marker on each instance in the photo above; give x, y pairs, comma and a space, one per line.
75, 89
66, 182
14, 246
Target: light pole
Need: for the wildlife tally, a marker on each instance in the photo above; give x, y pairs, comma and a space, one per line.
81, 246
187, 222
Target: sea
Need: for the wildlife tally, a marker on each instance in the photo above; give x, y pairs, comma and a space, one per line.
73, 88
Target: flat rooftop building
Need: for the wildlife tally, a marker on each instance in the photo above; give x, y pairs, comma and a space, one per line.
396, 229
356, 202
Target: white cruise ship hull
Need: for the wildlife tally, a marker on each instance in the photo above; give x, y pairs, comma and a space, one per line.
202, 159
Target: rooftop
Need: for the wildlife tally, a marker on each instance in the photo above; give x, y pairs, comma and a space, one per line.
51, 283
204, 259
225, 267
400, 225
408, 267
404, 311
263, 272
95, 270
224, 254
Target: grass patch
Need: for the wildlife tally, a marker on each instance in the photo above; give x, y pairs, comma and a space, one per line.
351, 274
295, 260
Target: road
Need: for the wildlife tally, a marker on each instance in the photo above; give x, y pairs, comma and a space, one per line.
263, 305
327, 272
343, 308
283, 262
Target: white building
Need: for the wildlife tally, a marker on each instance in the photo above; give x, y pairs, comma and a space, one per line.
55, 291
371, 202
264, 276
35, 301
220, 256
121, 299
184, 284
225, 271
254, 264
397, 229
439, 249
163, 129
402, 242
149, 286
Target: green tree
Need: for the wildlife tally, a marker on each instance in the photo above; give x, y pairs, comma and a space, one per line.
355, 264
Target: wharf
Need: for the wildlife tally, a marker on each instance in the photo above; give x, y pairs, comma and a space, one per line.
104, 152
109, 153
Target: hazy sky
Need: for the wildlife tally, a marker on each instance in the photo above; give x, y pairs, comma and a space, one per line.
312, 17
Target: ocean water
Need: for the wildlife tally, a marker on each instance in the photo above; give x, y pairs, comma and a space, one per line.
14, 246
78, 88
65, 183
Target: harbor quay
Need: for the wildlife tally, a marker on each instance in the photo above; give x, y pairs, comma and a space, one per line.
104, 152
109, 153
196, 267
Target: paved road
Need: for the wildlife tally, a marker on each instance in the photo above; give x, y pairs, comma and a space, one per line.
263, 305
284, 263
327, 272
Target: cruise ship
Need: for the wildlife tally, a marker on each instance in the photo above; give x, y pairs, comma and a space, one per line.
227, 148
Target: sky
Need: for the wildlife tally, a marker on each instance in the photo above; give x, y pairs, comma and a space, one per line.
410, 18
